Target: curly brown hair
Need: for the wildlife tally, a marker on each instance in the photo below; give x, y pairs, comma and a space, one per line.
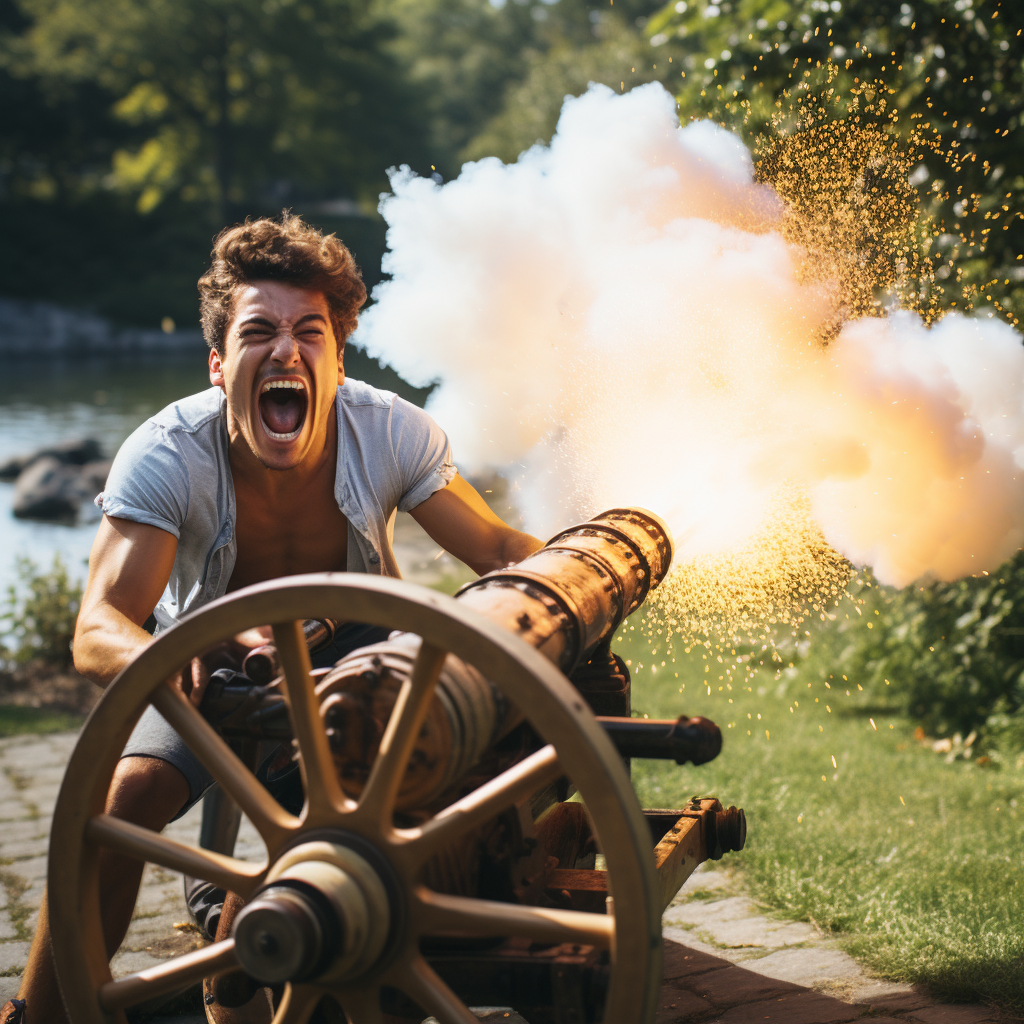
284, 249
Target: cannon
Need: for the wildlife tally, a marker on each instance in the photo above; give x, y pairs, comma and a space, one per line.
464, 832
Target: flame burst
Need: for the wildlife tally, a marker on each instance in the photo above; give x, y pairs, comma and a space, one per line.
784, 573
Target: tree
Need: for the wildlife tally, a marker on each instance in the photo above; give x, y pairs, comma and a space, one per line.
492, 76
231, 102
955, 65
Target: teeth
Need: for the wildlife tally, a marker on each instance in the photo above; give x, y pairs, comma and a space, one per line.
282, 437
270, 384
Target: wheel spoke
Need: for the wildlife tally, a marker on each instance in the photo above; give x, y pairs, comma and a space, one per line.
165, 978
421, 983
362, 1006
484, 803
324, 796
297, 1004
440, 914
270, 819
410, 709
134, 841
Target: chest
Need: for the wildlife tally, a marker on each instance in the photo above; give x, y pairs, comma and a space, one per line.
296, 532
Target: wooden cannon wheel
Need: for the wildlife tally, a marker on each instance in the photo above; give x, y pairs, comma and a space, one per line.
350, 850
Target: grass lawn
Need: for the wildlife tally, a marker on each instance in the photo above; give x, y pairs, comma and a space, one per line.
915, 864
15, 720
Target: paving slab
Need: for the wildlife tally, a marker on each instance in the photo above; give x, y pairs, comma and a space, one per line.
691, 941
13, 810
13, 955
26, 830
808, 967
801, 1008
678, 1004
894, 998
19, 848
679, 961
34, 754
953, 1014
708, 913
732, 985
32, 869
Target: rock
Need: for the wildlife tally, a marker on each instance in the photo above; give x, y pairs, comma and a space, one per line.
54, 482
77, 452
51, 489
94, 476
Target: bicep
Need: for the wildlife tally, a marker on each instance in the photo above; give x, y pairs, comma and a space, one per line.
129, 566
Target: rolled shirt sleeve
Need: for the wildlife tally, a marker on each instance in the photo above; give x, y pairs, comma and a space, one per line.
422, 452
148, 481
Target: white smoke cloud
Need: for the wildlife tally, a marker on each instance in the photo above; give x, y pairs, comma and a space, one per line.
614, 316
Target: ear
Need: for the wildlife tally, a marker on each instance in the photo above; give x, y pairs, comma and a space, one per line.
341, 364
216, 369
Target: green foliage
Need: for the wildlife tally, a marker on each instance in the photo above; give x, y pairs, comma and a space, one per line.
950, 656
227, 99
913, 864
132, 130
611, 54
40, 613
953, 64
16, 720
492, 77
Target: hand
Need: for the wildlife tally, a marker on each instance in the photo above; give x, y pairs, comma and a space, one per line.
191, 683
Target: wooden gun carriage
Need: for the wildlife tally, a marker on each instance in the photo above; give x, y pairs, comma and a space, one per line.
465, 832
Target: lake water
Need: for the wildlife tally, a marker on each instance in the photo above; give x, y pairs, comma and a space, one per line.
107, 399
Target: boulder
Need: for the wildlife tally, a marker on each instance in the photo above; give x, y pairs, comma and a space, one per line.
76, 452
51, 489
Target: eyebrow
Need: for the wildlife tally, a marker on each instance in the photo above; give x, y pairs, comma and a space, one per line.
257, 319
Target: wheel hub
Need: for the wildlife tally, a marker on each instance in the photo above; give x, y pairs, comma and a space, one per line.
323, 913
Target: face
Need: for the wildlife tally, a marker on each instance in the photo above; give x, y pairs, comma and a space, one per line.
279, 371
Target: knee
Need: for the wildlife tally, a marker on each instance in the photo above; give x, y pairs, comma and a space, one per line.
146, 791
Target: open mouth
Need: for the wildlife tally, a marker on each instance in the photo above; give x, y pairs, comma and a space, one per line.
283, 405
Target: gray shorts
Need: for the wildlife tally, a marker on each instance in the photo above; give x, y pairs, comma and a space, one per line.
154, 737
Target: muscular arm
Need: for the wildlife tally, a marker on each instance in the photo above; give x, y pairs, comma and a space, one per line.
461, 522
129, 566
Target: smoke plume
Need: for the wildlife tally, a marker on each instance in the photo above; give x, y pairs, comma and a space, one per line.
615, 318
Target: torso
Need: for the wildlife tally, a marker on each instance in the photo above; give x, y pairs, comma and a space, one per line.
301, 530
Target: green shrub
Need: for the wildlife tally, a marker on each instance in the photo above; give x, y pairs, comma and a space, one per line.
950, 656
39, 615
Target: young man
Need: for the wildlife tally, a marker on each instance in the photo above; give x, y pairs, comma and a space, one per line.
280, 468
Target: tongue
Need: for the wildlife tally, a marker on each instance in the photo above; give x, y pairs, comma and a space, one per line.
281, 410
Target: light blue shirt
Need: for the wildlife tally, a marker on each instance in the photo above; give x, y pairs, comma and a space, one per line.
174, 473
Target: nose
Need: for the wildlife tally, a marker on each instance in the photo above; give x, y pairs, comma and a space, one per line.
286, 348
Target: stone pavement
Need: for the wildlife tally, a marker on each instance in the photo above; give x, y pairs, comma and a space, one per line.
725, 961
32, 768
728, 963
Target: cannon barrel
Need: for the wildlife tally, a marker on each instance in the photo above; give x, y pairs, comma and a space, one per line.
565, 600
573, 593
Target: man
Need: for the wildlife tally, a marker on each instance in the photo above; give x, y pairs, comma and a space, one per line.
280, 468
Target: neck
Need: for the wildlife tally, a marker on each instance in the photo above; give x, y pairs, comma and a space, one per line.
247, 470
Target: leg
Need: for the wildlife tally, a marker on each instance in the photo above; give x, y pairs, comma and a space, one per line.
148, 792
